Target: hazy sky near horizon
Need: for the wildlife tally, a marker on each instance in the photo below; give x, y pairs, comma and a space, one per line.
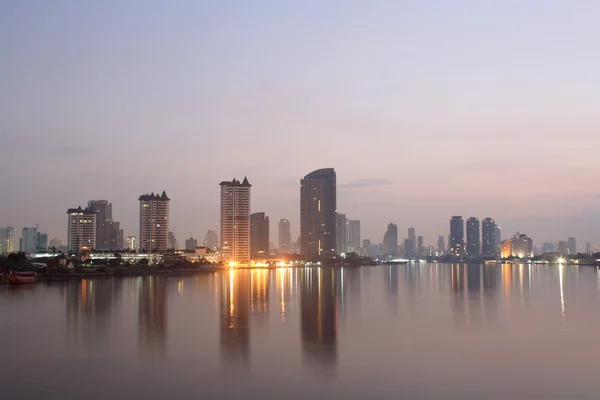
426, 109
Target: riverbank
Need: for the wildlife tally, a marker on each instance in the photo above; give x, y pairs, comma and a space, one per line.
122, 272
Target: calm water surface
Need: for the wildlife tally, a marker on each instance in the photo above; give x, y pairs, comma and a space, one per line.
427, 331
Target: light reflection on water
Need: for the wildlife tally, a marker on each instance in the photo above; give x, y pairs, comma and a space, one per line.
419, 331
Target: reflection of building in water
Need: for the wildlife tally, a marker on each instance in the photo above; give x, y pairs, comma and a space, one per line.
391, 280
259, 291
319, 314
152, 312
89, 303
235, 314
458, 286
286, 284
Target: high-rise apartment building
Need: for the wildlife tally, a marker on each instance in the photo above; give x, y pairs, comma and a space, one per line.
563, 247
572, 246
473, 246
498, 238
318, 203
109, 235
441, 245
421, 251
130, 243
588, 247
457, 235
259, 234
211, 239
154, 222
81, 230
342, 233
390, 241
410, 246
488, 237
354, 236
235, 221
172, 241
285, 236
6, 240
547, 247
41, 241
28, 240
191, 244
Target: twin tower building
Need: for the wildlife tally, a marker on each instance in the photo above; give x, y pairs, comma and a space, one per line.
317, 217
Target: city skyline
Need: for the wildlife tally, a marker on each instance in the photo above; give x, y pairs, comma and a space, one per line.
383, 85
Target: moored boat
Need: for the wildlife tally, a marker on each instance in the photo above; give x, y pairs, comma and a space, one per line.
21, 277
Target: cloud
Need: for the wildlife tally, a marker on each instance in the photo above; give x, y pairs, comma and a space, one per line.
364, 183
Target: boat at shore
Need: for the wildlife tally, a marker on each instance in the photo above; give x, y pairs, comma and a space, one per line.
21, 277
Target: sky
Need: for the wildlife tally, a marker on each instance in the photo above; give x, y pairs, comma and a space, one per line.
426, 109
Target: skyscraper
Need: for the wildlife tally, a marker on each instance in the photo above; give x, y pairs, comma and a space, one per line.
457, 235
259, 234
411, 245
318, 203
41, 241
572, 246
81, 230
473, 246
588, 247
441, 245
9, 245
285, 236
390, 241
109, 235
211, 240
488, 231
154, 222
28, 240
420, 247
235, 221
354, 236
498, 238
563, 247
172, 241
191, 243
342, 233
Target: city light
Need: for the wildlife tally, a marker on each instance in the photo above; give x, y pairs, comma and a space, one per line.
232, 264
561, 260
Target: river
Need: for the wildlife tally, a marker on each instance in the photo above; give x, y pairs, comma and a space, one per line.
421, 331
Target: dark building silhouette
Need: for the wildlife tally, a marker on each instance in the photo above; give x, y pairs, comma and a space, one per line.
390, 241
259, 234
488, 237
109, 235
457, 235
473, 246
318, 205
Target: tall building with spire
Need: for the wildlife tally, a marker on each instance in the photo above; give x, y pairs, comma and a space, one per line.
154, 222
235, 221
318, 203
